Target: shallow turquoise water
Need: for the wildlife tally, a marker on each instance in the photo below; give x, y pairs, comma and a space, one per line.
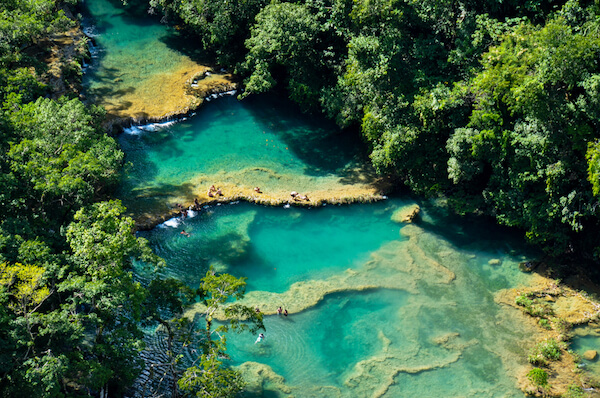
273, 247
139, 65
586, 339
130, 47
442, 339
261, 141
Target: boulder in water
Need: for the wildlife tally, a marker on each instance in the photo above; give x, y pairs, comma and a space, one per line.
406, 214
590, 355
528, 266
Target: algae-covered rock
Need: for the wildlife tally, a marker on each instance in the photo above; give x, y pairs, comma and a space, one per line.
260, 377
406, 214
495, 261
590, 355
528, 266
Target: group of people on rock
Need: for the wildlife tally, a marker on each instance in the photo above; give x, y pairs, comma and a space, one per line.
298, 196
212, 191
182, 210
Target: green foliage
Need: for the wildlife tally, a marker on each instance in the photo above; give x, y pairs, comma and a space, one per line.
593, 158
534, 307
285, 34
211, 379
548, 350
545, 323
22, 22
564, 329
209, 375
574, 391
222, 25
538, 377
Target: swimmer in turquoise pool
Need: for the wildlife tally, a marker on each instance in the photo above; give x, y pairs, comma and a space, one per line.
259, 338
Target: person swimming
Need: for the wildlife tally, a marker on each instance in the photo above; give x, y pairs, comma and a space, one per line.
184, 233
259, 338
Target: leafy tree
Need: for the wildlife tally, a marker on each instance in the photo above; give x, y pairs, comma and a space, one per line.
285, 36
208, 377
222, 25
101, 283
63, 156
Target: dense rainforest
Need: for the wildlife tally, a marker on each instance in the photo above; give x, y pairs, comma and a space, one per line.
493, 105
71, 310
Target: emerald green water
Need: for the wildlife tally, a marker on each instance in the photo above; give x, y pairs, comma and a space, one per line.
261, 141
417, 333
136, 59
587, 339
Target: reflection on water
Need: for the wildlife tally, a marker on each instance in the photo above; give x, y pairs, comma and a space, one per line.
377, 308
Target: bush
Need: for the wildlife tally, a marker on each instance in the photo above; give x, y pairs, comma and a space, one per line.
533, 307
564, 329
545, 323
524, 301
545, 351
574, 391
538, 377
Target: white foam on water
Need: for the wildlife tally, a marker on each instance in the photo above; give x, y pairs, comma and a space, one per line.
173, 223
217, 95
192, 213
150, 127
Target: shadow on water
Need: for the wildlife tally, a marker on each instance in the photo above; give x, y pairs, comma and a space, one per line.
318, 142
264, 394
460, 230
188, 44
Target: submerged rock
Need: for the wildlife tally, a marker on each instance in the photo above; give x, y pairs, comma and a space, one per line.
528, 266
590, 355
406, 214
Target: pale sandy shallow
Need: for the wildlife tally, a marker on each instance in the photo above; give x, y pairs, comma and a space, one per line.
165, 95
402, 265
150, 207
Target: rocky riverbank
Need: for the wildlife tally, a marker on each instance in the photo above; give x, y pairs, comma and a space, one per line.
555, 308
165, 208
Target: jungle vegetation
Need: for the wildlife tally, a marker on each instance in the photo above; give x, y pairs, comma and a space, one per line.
493, 105
71, 307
